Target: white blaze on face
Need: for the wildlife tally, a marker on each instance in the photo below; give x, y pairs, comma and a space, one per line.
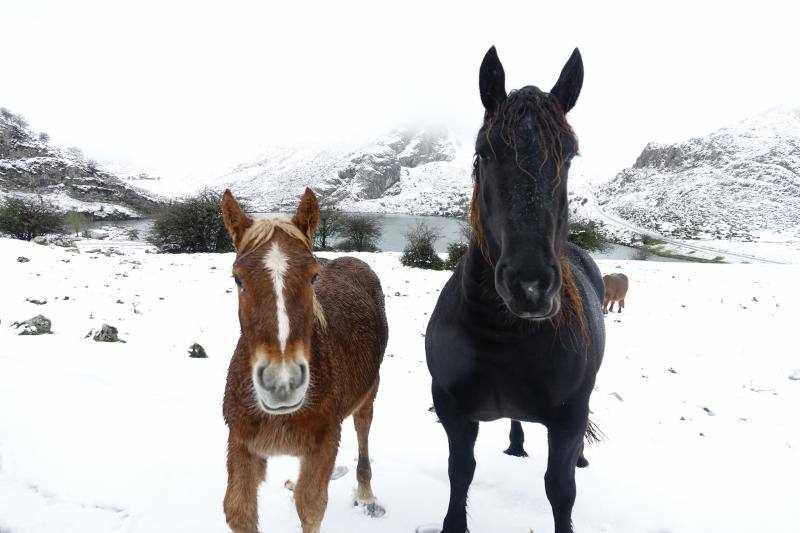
277, 263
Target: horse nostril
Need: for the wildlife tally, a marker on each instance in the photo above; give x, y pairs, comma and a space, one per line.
298, 376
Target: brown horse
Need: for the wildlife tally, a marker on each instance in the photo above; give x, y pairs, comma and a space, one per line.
313, 333
616, 289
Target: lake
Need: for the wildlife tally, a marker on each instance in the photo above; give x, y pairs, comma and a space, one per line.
394, 229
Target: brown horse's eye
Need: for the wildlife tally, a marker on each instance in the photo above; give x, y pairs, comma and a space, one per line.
238, 282
313, 279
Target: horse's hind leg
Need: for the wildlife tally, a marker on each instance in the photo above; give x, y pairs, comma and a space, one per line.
621, 305
611, 307
516, 437
581, 462
245, 472
461, 436
362, 419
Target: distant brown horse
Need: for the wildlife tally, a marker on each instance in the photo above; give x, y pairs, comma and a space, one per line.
616, 289
313, 334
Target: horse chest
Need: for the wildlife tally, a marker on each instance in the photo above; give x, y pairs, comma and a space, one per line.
523, 381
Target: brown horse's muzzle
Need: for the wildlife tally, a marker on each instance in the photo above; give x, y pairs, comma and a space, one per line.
281, 388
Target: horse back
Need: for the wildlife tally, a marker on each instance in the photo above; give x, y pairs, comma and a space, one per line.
349, 346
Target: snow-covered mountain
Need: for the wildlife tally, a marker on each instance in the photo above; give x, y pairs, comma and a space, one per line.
422, 172
30, 165
741, 182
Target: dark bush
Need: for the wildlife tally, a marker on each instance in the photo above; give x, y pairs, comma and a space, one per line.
44, 137
77, 222
28, 218
419, 251
589, 235
360, 233
192, 225
455, 251
330, 224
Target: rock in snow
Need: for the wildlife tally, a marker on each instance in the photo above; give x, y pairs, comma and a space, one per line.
37, 325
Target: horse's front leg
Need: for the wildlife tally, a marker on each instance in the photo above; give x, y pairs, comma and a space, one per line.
461, 436
565, 445
245, 472
311, 492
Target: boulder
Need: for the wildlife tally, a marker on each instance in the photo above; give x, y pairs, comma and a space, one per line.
37, 325
41, 239
22, 259
107, 334
197, 351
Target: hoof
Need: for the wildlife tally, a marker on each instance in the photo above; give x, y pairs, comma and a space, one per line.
582, 462
516, 452
339, 471
429, 528
371, 508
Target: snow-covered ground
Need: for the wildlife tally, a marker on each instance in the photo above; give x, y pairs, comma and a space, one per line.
694, 397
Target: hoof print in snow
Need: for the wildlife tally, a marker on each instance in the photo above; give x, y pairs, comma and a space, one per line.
795, 376
708, 411
37, 325
370, 508
197, 351
36, 301
22, 259
617, 396
428, 529
107, 334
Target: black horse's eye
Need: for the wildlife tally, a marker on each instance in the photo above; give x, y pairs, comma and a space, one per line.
313, 279
483, 156
238, 282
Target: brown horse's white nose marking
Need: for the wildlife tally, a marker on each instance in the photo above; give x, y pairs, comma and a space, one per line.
278, 264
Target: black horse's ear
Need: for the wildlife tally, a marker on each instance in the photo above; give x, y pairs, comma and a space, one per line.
569, 83
492, 81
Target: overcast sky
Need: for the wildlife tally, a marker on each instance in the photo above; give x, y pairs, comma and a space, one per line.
191, 88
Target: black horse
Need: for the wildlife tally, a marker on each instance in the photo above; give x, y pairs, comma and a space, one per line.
517, 331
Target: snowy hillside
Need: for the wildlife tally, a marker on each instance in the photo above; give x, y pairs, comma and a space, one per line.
416, 172
741, 182
30, 165
98, 437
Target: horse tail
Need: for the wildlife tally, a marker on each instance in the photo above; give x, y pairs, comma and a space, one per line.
593, 433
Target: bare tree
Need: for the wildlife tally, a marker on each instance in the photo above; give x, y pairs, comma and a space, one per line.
330, 224
361, 233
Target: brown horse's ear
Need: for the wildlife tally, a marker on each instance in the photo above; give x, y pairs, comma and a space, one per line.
236, 221
307, 215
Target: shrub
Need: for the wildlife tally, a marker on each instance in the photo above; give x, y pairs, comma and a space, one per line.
28, 218
419, 251
76, 221
133, 234
641, 253
192, 225
361, 233
588, 234
44, 137
330, 224
455, 251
